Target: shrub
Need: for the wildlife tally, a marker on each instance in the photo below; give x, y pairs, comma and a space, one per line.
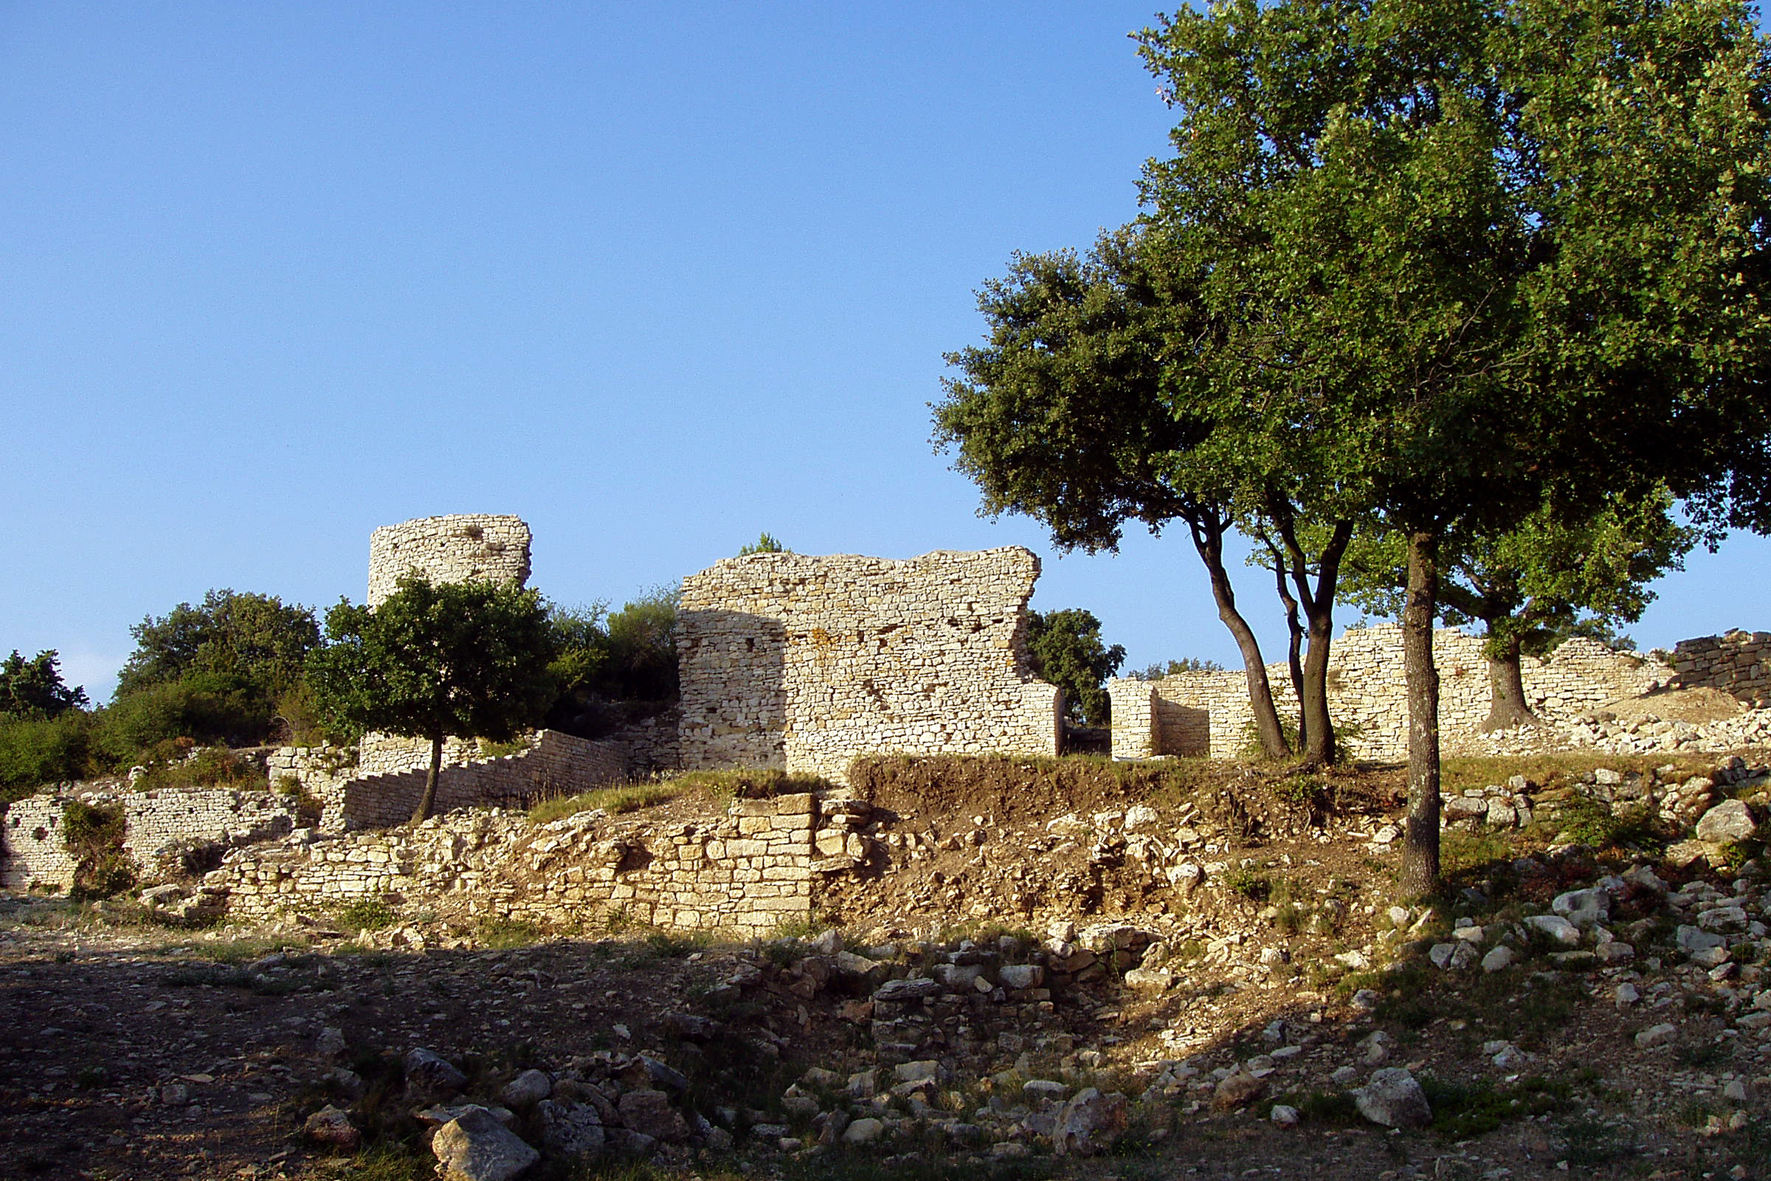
209, 766
43, 750
366, 914
93, 835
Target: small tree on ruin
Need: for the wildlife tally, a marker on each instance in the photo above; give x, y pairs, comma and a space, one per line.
434, 660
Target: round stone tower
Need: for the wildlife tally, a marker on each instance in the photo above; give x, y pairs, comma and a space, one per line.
462, 548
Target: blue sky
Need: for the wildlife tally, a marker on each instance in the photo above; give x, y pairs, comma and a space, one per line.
654, 277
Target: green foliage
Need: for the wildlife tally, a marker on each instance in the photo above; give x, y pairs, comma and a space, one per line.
1465, 1110
609, 668
366, 914
629, 797
764, 544
1186, 664
1065, 650
93, 835
200, 707
503, 932
436, 659
209, 766
34, 689
254, 638
642, 646
43, 750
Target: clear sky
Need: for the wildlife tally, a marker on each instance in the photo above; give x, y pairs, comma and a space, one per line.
653, 277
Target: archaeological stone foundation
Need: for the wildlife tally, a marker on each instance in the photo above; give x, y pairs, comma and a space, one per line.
805, 662
795, 662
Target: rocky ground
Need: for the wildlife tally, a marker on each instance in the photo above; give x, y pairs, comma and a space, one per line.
1213, 991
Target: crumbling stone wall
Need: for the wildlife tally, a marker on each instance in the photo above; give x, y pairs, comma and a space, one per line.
1207, 713
383, 786
747, 873
804, 662
460, 548
33, 852
1738, 663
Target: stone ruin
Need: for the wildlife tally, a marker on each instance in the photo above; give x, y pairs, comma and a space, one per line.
805, 662
466, 547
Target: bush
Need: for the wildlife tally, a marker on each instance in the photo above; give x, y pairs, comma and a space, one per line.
34, 751
210, 766
93, 835
203, 707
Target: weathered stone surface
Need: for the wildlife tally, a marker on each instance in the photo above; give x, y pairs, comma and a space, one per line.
1237, 1090
333, 1128
1089, 1122
1556, 927
650, 1113
429, 1073
904, 991
569, 1129
476, 1147
526, 1089
1730, 820
1393, 1098
863, 1131
799, 661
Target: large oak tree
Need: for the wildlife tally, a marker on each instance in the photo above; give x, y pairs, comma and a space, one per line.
1483, 255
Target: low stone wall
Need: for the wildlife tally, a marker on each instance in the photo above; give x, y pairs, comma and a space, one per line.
1207, 713
805, 662
467, 547
747, 873
33, 853
1738, 663
385, 782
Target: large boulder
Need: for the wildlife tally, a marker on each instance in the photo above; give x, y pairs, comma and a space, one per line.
569, 1129
476, 1147
1730, 820
1393, 1098
430, 1074
1090, 1122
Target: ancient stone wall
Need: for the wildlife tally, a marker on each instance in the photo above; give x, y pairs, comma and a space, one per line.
33, 852
1207, 713
383, 785
1738, 663
804, 662
461, 548
748, 873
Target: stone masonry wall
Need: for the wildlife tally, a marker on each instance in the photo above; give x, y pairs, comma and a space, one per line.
1738, 663
1204, 713
32, 852
460, 548
747, 873
384, 785
804, 662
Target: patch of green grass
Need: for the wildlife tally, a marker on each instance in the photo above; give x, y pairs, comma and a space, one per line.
1463, 1110
1595, 1142
366, 914
1462, 852
622, 798
1249, 882
502, 932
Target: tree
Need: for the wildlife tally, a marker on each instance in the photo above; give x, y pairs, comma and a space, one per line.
436, 659
1066, 415
764, 544
1478, 256
1536, 585
1066, 650
34, 689
254, 638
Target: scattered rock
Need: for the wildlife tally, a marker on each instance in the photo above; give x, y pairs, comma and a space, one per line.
1090, 1122
333, 1128
1393, 1098
476, 1147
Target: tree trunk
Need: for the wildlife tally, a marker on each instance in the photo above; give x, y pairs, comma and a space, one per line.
1420, 847
1208, 539
1294, 649
1322, 749
1507, 706
428, 800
